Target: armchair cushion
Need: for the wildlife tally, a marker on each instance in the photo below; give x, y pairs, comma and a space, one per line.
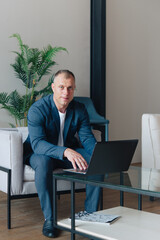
24, 132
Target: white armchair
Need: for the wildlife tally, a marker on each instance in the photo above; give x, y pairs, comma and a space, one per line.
151, 151
151, 141
17, 179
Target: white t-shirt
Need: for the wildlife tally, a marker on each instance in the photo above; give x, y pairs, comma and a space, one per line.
62, 121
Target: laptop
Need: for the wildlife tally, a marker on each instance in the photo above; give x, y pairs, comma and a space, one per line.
108, 157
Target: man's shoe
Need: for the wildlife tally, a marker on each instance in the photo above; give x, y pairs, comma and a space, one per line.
48, 229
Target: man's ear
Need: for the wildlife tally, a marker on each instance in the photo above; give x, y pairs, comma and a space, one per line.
52, 86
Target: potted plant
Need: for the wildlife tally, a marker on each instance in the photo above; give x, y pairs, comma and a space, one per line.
30, 66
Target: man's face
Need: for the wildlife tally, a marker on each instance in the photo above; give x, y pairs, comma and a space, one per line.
63, 89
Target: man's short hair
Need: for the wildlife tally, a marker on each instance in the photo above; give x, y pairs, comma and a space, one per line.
67, 74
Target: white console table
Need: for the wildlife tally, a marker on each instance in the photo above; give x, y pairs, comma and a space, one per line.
132, 225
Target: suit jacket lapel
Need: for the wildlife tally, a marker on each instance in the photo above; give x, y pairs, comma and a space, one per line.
55, 115
69, 115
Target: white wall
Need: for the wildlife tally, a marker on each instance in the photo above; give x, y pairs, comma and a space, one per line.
63, 23
133, 65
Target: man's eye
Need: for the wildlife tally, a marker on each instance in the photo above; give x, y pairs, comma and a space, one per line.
61, 87
70, 88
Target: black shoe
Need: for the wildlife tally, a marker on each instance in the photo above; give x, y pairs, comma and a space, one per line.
48, 229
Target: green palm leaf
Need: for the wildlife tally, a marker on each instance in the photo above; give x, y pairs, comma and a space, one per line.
4, 98
50, 52
16, 35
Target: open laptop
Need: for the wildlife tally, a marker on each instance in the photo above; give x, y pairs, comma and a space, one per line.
110, 156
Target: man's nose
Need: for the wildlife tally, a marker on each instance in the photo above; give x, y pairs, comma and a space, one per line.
66, 90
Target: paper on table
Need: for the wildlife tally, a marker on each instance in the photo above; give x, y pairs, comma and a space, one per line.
96, 217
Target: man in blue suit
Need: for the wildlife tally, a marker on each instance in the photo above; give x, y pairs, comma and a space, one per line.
53, 122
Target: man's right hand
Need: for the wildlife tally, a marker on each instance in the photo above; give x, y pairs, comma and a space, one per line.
76, 159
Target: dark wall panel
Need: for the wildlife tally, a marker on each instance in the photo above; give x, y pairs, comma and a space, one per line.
98, 54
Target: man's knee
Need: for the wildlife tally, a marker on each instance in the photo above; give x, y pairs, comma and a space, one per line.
38, 161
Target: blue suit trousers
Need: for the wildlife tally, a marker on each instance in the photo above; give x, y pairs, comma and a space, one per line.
44, 166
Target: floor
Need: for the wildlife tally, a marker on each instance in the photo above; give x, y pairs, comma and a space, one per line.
27, 218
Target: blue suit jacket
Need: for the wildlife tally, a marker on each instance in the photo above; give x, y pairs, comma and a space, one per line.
44, 127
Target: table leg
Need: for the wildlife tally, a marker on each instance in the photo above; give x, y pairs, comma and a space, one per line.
121, 192
55, 201
101, 199
72, 210
121, 198
139, 202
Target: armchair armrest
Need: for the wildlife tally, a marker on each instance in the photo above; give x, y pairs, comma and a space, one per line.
11, 149
94, 117
151, 141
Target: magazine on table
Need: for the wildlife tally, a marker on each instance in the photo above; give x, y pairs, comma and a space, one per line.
96, 217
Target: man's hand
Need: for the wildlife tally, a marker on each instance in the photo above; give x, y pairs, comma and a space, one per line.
75, 158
